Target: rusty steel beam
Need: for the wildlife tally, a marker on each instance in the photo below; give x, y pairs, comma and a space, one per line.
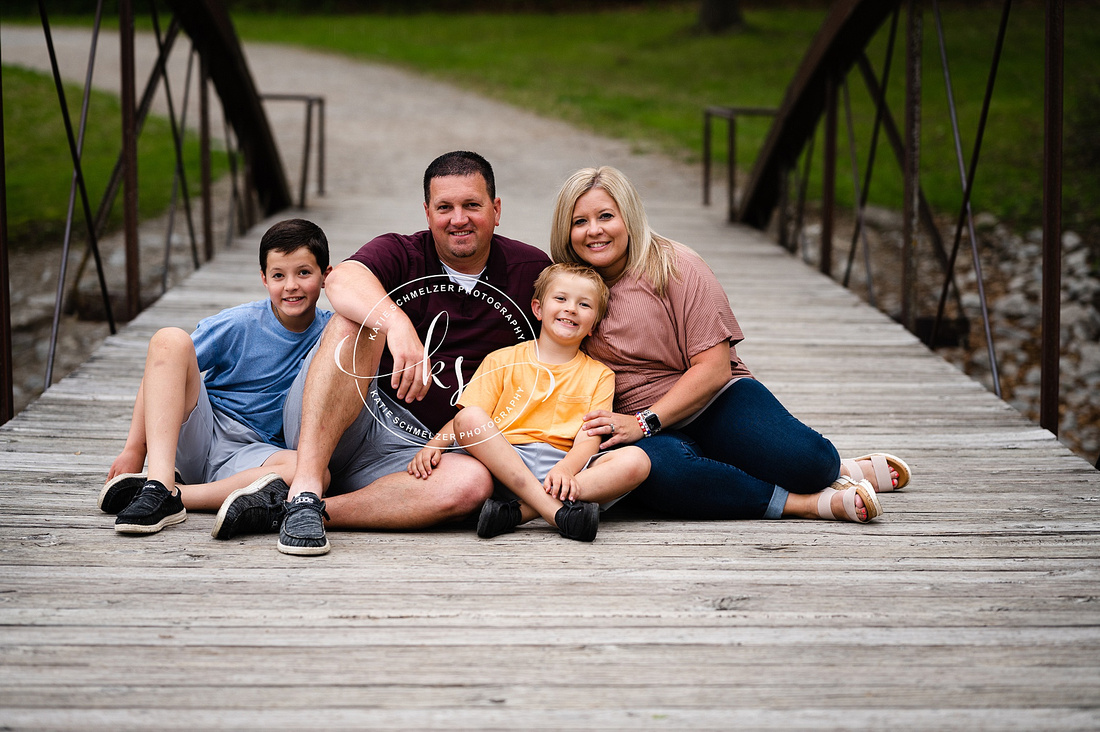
847, 29
911, 196
7, 393
129, 158
1052, 216
208, 24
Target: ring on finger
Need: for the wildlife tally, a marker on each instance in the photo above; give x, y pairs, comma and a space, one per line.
612, 425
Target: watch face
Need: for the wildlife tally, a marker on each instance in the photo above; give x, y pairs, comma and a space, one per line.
653, 421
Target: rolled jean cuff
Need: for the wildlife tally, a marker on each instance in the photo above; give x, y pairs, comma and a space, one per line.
776, 504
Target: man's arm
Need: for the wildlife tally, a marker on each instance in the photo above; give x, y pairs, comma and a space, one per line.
356, 294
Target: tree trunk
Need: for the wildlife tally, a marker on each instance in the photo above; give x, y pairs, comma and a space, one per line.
719, 16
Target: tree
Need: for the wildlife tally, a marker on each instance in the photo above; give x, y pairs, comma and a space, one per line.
719, 16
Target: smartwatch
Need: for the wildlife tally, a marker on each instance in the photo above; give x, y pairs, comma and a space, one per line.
649, 422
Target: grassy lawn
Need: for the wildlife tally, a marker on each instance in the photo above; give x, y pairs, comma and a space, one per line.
39, 167
643, 76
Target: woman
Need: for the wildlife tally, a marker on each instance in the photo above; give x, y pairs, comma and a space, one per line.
721, 446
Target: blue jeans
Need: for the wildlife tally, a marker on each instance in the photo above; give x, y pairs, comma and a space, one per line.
737, 460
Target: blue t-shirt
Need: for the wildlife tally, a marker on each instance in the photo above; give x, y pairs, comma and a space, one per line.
250, 361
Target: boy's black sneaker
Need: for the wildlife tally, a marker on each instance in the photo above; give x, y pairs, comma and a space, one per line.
258, 508
123, 488
498, 517
154, 508
303, 531
578, 520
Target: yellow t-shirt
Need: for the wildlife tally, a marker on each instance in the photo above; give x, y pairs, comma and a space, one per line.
532, 401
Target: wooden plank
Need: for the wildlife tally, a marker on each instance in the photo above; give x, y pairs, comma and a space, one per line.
973, 602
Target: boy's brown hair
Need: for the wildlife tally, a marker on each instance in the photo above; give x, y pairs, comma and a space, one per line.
542, 284
291, 235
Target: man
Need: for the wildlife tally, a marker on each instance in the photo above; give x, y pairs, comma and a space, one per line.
420, 312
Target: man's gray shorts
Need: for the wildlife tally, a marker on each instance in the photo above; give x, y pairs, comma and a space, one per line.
382, 440
212, 445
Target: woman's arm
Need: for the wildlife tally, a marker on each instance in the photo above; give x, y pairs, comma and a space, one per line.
709, 371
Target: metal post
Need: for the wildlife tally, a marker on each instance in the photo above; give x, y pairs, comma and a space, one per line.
320, 146
305, 154
706, 157
828, 177
129, 158
911, 204
7, 393
1052, 216
731, 168
204, 158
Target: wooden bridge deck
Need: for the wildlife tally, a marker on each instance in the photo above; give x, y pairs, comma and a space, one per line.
972, 603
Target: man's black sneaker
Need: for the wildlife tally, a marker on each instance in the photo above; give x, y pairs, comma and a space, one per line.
154, 508
578, 520
258, 508
303, 531
498, 517
123, 488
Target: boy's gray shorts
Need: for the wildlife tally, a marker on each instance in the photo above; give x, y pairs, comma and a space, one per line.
382, 440
540, 457
212, 445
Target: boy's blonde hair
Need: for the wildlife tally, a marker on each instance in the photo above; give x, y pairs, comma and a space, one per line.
649, 254
546, 277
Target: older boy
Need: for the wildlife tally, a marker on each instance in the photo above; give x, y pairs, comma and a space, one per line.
222, 431
521, 416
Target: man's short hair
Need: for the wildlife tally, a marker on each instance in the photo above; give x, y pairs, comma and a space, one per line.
459, 162
290, 235
546, 277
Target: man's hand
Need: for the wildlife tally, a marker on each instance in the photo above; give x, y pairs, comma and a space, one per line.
410, 363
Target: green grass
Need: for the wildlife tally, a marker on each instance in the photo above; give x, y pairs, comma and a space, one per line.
39, 166
643, 76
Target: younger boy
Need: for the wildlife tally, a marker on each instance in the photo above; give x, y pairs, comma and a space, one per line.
221, 431
521, 416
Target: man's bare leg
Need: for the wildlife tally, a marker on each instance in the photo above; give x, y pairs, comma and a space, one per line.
454, 490
330, 401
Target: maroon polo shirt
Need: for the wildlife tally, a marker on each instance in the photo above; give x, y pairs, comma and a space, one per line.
497, 313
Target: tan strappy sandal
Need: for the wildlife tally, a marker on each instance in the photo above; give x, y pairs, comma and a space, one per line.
881, 463
850, 488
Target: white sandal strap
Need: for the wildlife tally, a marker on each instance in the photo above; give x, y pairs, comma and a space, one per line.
854, 471
883, 479
824, 504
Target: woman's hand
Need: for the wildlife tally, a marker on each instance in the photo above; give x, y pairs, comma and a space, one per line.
560, 483
422, 463
612, 428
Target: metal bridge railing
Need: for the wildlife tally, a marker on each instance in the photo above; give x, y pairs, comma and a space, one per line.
248, 144
816, 97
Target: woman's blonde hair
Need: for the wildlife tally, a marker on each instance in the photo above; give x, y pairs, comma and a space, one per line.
649, 254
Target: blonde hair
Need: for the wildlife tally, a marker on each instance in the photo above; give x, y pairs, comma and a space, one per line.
649, 254
546, 277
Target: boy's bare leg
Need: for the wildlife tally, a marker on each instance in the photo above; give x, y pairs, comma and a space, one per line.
612, 475
454, 490
478, 434
132, 457
170, 391
330, 401
210, 496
